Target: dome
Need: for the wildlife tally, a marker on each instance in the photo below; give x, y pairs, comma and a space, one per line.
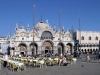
21, 29
42, 25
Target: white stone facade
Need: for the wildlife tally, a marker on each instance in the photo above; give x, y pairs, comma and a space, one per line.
3, 44
88, 40
42, 39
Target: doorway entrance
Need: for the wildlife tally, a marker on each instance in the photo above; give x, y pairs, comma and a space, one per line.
22, 53
60, 48
47, 51
22, 48
34, 48
47, 47
33, 51
69, 47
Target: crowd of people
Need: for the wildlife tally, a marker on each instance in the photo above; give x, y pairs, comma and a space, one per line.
89, 55
76, 54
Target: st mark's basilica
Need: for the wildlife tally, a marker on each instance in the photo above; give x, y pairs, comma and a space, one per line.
42, 39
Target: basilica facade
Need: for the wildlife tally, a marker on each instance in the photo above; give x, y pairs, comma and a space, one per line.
41, 40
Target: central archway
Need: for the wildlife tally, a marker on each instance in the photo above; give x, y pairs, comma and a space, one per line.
22, 48
47, 47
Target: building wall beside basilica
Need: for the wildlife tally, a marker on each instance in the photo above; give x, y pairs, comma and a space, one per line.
3, 45
88, 40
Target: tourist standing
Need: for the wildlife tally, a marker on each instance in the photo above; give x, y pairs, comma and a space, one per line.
88, 57
5, 59
61, 55
99, 56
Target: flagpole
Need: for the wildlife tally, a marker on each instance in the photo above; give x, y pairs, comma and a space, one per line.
60, 29
33, 21
79, 33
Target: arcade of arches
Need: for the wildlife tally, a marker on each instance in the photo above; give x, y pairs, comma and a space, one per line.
46, 47
87, 47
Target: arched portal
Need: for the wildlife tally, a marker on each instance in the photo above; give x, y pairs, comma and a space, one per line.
96, 49
22, 48
60, 48
33, 48
90, 51
46, 35
85, 51
69, 47
47, 47
93, 50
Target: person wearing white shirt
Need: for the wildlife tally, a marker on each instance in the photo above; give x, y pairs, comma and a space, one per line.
5, 59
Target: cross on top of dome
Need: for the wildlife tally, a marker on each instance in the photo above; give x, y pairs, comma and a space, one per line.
41, 19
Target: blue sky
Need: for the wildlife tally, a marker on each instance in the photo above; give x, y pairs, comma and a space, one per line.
21, 11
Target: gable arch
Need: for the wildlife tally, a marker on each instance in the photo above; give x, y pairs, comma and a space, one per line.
46, 35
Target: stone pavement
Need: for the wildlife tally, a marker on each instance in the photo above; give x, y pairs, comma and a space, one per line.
89, 68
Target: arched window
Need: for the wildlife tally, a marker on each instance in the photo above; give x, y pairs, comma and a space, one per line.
87, 45
89, 38
97, 45
84, 45
46, 35
22, 38
90, 45
93, 45
96, 38
82, 38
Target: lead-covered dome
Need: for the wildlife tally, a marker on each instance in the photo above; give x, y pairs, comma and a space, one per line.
21, 29
42, 25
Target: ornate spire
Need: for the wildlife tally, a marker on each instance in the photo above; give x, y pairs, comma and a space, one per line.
72, 32
63, 30
47, 21
28, 27
8, 36
59, 30
67, 30
16, 27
